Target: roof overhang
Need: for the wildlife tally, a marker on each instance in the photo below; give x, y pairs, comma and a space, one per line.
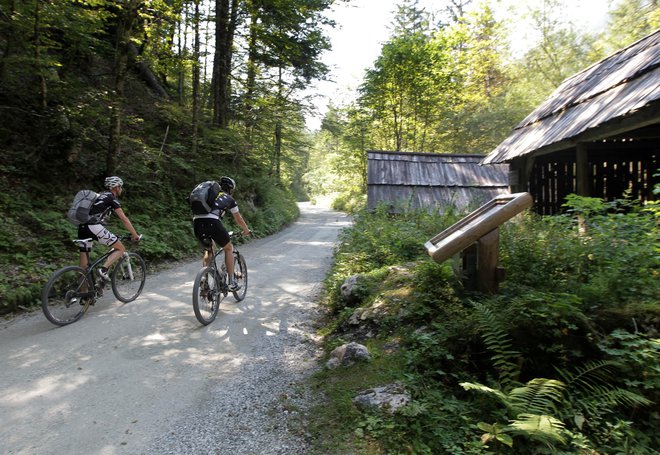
618, 128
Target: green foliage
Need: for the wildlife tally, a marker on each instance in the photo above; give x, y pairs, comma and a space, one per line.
496, 339
630, 20
634, 352
527, 407
350, 202
593, 395
614, 262
276, 206
558, 370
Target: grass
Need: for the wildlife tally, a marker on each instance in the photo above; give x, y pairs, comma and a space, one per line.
336, 419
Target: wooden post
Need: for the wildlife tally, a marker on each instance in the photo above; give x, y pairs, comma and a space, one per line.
469, 258
487, 261
582, 174
583, 179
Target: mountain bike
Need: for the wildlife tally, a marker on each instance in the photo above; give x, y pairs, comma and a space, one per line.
212, 286
71, 290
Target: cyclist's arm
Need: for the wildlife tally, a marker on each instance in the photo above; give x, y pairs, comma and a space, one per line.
127, 223
241, 222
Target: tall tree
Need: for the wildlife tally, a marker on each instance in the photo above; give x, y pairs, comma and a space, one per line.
126, 19
195, 77
285, 41
631, 20
226, 17
400, 89
474, 114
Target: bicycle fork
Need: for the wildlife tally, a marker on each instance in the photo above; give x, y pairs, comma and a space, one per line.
128, 266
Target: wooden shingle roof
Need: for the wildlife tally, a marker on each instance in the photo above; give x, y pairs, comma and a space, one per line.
618, 94
432, 179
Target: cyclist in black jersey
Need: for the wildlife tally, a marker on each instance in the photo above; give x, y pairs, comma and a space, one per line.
210, 226
104, 205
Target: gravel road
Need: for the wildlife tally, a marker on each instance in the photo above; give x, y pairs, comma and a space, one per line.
147, 378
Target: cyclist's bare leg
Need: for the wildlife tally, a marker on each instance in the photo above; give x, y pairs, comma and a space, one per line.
206, 260
229, 259
119, 251
83, 260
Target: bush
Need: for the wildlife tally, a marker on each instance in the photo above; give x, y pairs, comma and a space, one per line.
577, 306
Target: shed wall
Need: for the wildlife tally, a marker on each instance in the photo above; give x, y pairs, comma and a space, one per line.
434, 181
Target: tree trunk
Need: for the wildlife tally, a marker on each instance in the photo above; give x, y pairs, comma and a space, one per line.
124, 30
9, 41
251, 76
278, 148
181, 73
195, 80
278, 129
226, 14
146, 73
43, 89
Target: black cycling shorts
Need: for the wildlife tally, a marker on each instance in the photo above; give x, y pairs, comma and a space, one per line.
210, 228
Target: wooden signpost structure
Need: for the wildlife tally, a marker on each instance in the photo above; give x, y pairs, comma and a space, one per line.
477, 237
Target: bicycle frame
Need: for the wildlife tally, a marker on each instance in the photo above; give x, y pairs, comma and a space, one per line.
91, 266
222, 277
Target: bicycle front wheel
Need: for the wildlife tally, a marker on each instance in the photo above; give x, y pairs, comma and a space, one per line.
207, 295
67, 295
241, 277
128, 277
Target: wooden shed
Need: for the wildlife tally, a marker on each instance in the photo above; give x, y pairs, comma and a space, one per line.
597, 135
432, 180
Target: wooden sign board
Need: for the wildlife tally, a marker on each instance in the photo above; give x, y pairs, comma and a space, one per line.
477, 224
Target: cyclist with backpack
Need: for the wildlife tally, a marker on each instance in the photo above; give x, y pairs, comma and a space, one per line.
106, 203
209, 201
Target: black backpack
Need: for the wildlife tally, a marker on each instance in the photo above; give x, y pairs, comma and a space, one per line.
203, 196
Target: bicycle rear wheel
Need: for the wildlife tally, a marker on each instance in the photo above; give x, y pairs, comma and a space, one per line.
207, 294
128, 277
67, 295
241, 277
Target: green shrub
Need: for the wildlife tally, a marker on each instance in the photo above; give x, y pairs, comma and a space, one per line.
580, 301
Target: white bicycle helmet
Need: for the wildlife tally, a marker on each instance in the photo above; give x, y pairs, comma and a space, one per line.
111, 182
227, 184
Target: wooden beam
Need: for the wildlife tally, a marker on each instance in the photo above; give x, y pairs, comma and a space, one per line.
582, 174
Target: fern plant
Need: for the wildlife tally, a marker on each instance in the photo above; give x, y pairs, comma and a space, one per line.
529, 408
494, 335
591, 391
585, 395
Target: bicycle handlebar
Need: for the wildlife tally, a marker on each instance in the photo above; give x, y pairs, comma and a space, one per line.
129, 238
236, 235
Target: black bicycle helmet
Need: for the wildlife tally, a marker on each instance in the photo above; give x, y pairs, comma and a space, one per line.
227, 184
